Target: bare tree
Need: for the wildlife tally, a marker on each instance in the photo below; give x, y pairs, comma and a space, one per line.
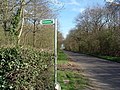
97, 31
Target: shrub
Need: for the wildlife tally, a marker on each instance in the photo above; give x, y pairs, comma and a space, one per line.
25, 69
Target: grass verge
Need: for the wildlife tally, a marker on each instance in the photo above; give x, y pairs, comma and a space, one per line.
69, 74
62, 57
111, 58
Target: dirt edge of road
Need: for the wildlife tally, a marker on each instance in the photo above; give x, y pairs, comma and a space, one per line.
74, 66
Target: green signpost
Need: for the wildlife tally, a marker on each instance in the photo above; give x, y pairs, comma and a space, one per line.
53, 22
47, 22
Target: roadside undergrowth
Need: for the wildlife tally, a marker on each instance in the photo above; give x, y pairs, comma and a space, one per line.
70, 75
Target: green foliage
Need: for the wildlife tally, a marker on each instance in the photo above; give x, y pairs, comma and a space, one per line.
14, 22
44, 38
62, 57
76, 81
116, 59
96, 32
25, 69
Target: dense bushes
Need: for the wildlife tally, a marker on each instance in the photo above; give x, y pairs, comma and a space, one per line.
103, 42
25, 69
97, 32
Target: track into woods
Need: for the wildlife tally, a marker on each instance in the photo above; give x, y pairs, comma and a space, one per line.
103, 74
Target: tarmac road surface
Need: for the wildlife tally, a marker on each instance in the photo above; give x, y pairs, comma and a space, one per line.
103, 74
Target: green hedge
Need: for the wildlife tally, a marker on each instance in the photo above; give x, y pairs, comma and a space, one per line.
25, 69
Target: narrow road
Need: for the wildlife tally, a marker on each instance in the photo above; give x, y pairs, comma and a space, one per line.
104, 75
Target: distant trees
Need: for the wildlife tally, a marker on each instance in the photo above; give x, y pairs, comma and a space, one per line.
60, 39
97, 31
20, 23
34, 12
12, 17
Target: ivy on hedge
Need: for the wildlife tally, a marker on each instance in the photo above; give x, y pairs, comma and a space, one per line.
25, 69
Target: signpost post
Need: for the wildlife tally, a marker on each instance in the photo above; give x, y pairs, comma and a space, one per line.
53, 22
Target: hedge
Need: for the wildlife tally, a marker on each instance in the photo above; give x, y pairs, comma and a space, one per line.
25, 69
